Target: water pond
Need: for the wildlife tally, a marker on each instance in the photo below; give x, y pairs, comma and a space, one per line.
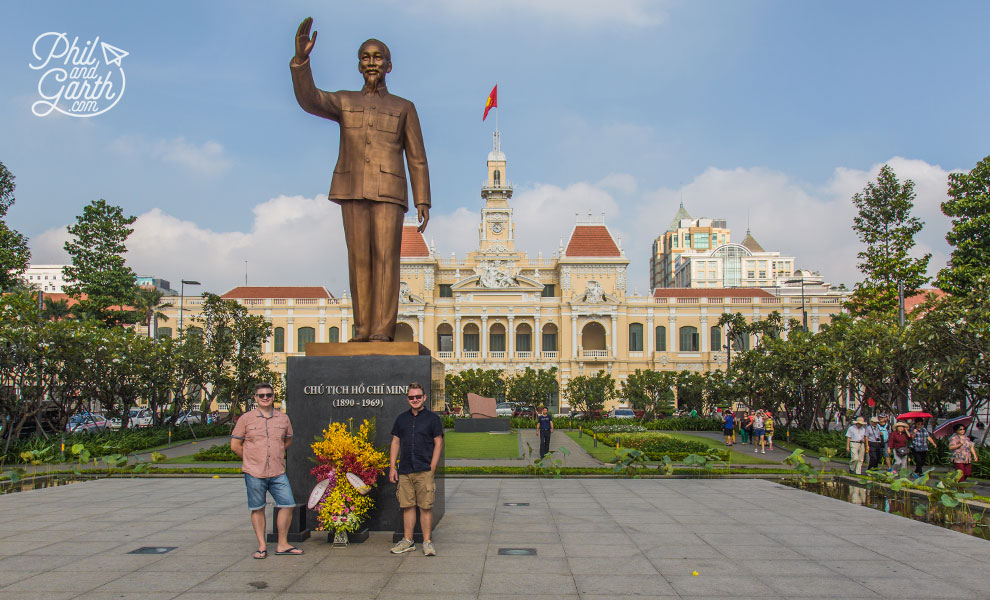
39, 482
969, 520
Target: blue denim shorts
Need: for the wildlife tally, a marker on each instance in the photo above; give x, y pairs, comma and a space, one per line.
277, 486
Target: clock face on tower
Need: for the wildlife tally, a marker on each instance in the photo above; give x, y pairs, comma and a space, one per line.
496, 228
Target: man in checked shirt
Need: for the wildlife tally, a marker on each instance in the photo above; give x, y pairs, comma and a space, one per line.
261, 438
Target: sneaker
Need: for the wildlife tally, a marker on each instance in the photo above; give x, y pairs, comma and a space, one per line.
428, 549
404, 545
763, 451
756, 449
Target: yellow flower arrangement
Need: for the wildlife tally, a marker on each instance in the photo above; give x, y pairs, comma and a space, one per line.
340, 452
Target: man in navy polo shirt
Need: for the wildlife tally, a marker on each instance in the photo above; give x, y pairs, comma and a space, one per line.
417, 440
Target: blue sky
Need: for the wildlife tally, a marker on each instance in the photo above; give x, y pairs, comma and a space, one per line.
771, 112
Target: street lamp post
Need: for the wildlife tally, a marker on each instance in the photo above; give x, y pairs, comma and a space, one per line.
182, 295
804, 312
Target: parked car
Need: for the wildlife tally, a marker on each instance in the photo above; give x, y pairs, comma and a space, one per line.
137, 417
88, 422
623, 413
192, 417
523, 411
503, 409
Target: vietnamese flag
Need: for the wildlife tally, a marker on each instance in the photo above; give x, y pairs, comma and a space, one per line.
492, 101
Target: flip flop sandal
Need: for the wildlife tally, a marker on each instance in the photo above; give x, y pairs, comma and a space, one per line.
263, 553
290, 551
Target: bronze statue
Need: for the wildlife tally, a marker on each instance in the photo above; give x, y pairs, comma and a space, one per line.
369, 181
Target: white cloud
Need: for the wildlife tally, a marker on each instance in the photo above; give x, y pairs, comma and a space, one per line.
582, 13
208, 158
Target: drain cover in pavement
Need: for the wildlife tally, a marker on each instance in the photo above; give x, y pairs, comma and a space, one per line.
153, 550
517, 551
515, 504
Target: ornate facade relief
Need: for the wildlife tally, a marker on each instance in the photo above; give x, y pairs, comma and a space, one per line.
404, 293
593, 293
495, 274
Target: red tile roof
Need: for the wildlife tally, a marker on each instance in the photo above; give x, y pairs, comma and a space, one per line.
912, 302
271, 291
711, 293
591, 240
413, 244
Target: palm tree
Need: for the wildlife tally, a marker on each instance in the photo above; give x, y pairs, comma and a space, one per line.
147, 301
55, 310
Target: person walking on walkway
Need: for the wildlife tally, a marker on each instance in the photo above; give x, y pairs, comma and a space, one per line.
544, 427
899, 444
920, 439
963, 452
260, 438
874, 437
745, 427
768, 426
728, 427
759, 432
417, 440
856, 445
885, 432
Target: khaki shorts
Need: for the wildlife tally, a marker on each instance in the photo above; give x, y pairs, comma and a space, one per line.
416, 489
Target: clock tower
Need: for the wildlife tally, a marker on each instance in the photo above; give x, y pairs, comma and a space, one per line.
496, 233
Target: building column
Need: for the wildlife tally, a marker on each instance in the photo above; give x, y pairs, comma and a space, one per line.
420, 318
290, 337
345, 330
615, 337
322, 337
705, 335
484, 336
574, 337
457, 337
672, 335
650, 335
537, 339
510, 344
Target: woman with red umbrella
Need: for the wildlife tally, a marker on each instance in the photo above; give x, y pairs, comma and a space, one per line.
963, 452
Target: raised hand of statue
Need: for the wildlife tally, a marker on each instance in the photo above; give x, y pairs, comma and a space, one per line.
304, 44
423, 214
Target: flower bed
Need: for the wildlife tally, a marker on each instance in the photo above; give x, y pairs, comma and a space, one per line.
658, 445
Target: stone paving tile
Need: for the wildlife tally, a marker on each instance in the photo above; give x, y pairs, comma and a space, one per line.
718, 585
607, 565
430, 583
53, 581
98, 595
618, 585
340, 583
527, 583
818, 587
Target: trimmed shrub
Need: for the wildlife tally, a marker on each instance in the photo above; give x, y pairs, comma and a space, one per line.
656, 445
217, 453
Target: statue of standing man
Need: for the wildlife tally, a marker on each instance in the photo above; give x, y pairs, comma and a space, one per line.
369, 181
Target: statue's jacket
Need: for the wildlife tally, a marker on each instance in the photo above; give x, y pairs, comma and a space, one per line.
375, 129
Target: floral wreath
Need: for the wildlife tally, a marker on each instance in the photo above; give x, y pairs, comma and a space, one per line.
346, 461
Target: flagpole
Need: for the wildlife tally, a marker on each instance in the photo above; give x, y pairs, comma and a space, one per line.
496, 109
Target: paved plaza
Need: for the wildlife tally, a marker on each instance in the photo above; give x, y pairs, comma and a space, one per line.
594, 538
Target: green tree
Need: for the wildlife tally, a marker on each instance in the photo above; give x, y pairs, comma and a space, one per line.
231, 346
489, 383
590, 393
533, 386
14, 252
650, 391
885, 225
99, 278
969, 207
146, 304
690, 391
55, 310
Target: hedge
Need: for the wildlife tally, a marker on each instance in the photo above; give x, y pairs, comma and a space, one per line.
217, 453
670, 424
658, 445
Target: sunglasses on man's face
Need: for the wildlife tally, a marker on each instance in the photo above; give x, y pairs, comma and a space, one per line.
416, 397
264, 395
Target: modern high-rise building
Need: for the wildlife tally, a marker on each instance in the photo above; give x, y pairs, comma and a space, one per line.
684, 235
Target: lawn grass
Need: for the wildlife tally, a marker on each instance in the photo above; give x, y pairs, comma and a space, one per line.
481, 445
605, 454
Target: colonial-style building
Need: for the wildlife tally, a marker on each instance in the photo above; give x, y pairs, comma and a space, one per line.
498, 308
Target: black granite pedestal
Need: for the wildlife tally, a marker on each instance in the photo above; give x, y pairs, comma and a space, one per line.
356, 381
484, 424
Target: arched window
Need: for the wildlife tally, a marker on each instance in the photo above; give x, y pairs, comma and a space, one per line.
404, 332
593, 337
689, 339
194, 331
472, 339
524, 338
635, 337
716, 338
496, 338
445, 338
306, 335
549, 341
164, 332
740, 342
279, 339
661, 338
333, 335
497, 178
